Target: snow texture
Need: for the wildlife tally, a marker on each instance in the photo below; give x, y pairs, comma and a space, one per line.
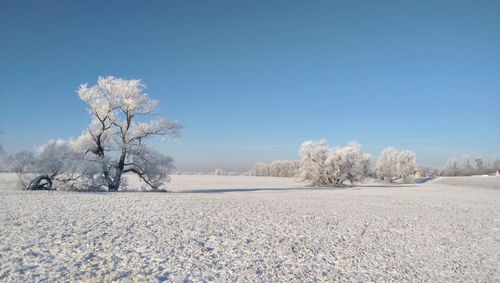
253, 232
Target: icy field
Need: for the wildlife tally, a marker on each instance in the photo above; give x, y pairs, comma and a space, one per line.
436, 231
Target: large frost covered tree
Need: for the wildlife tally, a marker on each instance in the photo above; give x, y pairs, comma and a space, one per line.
322, 165
115, 137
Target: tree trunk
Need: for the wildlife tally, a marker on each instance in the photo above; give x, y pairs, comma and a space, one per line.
38, 184
114, 185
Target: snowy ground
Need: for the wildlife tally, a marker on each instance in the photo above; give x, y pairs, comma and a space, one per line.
254, 229
223, 183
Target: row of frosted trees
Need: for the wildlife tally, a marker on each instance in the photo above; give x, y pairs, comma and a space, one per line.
323, 165
277, 168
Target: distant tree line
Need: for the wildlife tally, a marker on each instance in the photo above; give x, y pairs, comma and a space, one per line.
219, 172
465, 167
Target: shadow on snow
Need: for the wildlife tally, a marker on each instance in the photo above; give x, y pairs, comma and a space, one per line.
243, 190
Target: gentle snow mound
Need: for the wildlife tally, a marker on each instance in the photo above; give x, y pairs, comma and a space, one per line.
485, 182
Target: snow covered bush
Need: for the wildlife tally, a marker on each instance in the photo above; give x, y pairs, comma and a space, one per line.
322, 165
393, 164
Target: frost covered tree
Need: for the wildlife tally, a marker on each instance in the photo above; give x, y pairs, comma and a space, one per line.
467, 167
347, 163
386, 165
313, 158
480, 166
115, 137
451, 168
406, 165
219, 172
393, 164
322, 165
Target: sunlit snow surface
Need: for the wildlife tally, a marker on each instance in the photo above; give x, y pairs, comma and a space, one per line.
226, 228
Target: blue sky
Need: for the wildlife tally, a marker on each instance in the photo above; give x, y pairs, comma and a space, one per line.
251, 80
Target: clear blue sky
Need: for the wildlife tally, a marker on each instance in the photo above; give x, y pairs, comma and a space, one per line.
251, 80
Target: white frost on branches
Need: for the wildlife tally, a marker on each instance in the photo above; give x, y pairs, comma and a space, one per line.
115, 137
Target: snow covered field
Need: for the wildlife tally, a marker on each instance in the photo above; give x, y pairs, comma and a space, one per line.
223, 183
226, 228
